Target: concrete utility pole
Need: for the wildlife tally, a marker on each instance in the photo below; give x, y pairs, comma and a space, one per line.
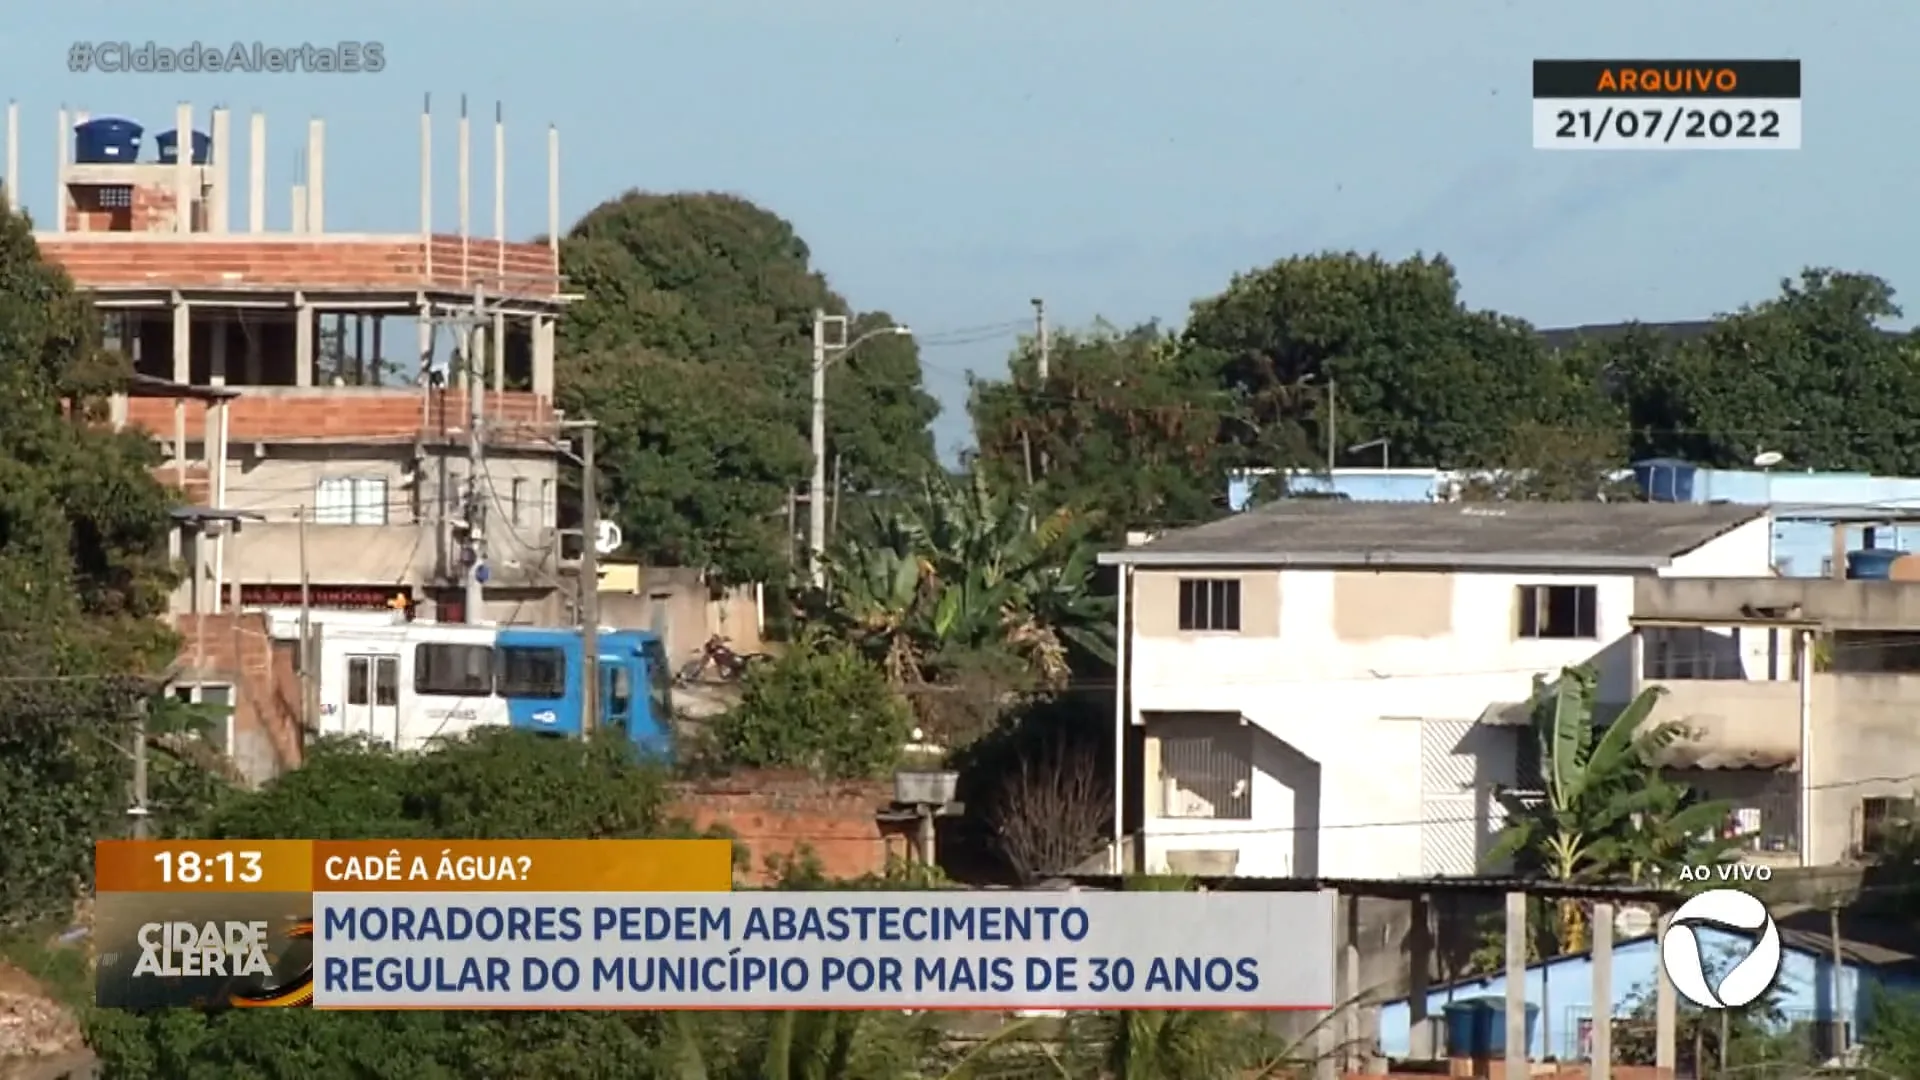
589, 580
817, 487
817, 493
138, 811
1044, 344
476, 571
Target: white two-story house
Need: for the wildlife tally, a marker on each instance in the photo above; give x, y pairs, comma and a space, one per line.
1330, 689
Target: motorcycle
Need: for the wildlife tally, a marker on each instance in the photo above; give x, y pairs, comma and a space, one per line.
719, 655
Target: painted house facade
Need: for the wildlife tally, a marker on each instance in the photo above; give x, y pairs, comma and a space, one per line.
1326, 688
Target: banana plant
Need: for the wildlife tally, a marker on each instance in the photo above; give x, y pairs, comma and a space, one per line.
961, 567
1604, 811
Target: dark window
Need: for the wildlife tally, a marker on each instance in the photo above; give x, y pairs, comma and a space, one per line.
1210, 604
1559, 611
1206, 767
620, 696
453, 670
386, 681
659, 683
357, 680
532, 673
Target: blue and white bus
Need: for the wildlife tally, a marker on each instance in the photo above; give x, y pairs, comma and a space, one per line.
407, 684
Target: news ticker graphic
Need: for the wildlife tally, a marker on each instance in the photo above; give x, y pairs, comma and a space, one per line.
552, 940
226, 924
839, 950
1666, 104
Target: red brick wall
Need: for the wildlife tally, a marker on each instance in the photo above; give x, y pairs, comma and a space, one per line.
779, 814
151, 210
235, 649
348, 413
291, 261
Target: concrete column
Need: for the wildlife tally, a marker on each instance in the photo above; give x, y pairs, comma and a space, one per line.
1349, 982
182, 341
63, 153
1517, 1048
545, 336
316, 175
1601, 1065
1419, 980
257, 174
184, 190
220, 135
1666, 1014
302, 342
498, 351
117, 411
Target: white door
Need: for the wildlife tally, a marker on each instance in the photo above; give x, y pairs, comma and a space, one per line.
373, 698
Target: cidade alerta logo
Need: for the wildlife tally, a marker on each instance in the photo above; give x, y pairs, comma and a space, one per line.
1722, 909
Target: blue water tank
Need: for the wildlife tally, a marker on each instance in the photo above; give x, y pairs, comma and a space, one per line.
1872, 564
1477, 1027
167, 144
1666, 480
106, 141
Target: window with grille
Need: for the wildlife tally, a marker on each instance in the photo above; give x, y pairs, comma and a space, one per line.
350, 500
1210, 604
1206, 768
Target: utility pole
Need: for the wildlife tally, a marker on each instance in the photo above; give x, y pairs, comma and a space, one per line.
307, 682
817, 490
476, 381
1333, 425
589, 580
1043, 364
138, 811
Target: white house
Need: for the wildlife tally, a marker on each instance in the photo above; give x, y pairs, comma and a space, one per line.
1328, 689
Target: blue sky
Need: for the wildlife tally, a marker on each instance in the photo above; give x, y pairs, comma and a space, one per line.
1118, 157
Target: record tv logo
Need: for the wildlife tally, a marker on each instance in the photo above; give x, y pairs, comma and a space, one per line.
1721, 909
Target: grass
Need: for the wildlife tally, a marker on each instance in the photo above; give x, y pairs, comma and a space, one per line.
61, 969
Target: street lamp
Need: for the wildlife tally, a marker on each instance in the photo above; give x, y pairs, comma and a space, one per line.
823, 356
1385, 446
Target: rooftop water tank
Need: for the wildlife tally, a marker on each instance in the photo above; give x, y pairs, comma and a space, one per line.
167, 143
106, 141
1872, 564
1665, 480
1477, 1027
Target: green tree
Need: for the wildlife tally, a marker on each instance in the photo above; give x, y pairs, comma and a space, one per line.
83, 576
1127, 425
1344, 348
1810, 373
692, 348
822, 707
1605, 812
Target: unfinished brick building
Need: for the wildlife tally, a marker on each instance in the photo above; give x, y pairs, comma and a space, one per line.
310, 388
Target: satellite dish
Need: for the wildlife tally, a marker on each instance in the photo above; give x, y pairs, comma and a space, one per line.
1632, 922
1767, 459
607, 539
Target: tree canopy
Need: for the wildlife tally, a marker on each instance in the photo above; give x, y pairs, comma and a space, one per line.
83, 573
692, 347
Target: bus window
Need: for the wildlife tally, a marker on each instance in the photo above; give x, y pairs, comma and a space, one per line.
453, 670
659, 683
527, 672
621, 697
